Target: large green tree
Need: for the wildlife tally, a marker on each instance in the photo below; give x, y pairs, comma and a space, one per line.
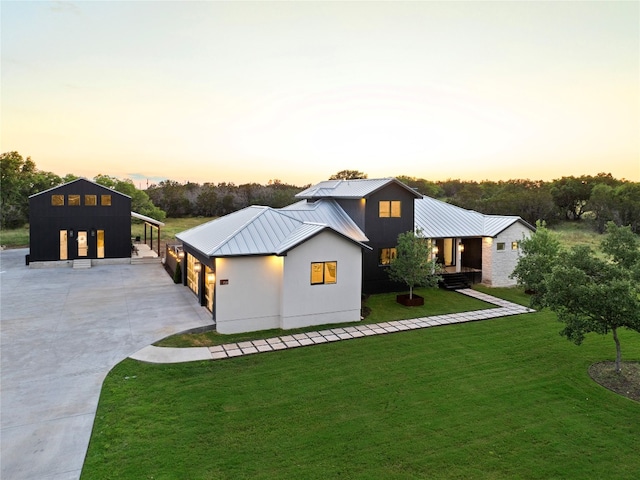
538, 255
348, 175
414, 265
140, 201
19, 178
592, 294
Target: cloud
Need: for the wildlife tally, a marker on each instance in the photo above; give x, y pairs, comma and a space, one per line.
65, 7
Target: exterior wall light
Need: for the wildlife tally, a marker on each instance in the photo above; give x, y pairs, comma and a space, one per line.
197, 267
435, 250
461, 247
180, 254
211, 278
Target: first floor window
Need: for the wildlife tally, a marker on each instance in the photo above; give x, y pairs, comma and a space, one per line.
500, 246
323, 273
387, 255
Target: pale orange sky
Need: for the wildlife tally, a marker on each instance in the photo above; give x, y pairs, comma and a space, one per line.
247, 92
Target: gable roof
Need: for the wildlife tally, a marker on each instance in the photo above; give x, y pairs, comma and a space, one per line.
437, 219
254, 230
351, 189
80, 180
326, 211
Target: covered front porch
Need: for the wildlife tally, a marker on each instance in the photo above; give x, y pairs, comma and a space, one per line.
461, 259
142, 246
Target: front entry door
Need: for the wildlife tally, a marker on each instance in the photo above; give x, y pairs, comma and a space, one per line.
83, 245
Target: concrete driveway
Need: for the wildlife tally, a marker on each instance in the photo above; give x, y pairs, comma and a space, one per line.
61, 331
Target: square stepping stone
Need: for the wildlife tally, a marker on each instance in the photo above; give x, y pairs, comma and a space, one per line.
319, 339
258, 343
306, 341
218, 355
249, 350
278, 346
234, 353
345, 336
216, 348
273, 341
244, 345
300, 336
264, 348
230, 346
292, 343
313, 334
287, 338
331, 337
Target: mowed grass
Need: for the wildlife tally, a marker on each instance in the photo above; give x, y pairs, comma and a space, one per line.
383, 308
499, 399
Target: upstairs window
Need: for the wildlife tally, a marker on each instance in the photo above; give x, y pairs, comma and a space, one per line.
323, 273
387, 255
90, 200
57, 200
105, 200
390, 209
74, 200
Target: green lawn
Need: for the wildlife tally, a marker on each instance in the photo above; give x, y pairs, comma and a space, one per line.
499, 399
383, 308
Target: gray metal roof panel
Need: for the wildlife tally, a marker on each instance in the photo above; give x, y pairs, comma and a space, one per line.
439, 219
360, 188
326, 211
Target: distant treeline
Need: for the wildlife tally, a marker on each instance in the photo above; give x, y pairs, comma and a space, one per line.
597, 199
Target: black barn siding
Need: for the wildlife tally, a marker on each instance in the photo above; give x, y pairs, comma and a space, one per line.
46, 221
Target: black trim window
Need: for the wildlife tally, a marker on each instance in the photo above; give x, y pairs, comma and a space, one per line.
74, 200
57, 200
387, 255
323, 273
105, 200
500, 246
90, 200
390, 209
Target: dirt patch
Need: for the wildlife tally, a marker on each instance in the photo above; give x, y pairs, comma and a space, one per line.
625, 383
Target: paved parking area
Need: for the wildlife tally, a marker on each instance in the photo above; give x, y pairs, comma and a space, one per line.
61, 332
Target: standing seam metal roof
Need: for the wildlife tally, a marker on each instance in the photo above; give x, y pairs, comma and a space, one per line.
254, 230
360, 188
437, 219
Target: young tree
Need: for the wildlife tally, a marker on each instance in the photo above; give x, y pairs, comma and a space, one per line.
590, 294
413, 265
539, 254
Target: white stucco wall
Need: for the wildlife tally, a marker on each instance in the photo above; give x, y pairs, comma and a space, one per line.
251, 299
304, 304
497, 265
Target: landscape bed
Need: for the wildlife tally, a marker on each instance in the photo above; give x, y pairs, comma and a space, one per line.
504, 398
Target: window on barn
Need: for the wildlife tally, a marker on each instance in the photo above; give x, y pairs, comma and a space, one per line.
90, 200
57, 200
105, 200
387, 255
74, 200
390, 208
323, 273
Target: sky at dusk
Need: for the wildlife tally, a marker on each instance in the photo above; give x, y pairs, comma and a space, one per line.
296, 91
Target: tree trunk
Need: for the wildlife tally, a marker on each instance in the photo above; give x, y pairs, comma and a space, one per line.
618, 352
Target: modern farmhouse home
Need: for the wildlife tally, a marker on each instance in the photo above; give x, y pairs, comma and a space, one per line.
308, 263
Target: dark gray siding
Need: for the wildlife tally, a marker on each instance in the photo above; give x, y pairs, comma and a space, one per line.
46, 221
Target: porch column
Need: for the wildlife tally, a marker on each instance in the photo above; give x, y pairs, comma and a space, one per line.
458, 242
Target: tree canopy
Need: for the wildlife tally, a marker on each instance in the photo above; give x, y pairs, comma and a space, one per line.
590, 294
348, 175
414, 265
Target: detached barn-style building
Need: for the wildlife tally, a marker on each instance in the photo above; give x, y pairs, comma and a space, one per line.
308, 263
79, 220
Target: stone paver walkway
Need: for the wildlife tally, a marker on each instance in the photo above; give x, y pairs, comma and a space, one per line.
503, 308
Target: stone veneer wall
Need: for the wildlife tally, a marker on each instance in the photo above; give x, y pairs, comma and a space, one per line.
497, 265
